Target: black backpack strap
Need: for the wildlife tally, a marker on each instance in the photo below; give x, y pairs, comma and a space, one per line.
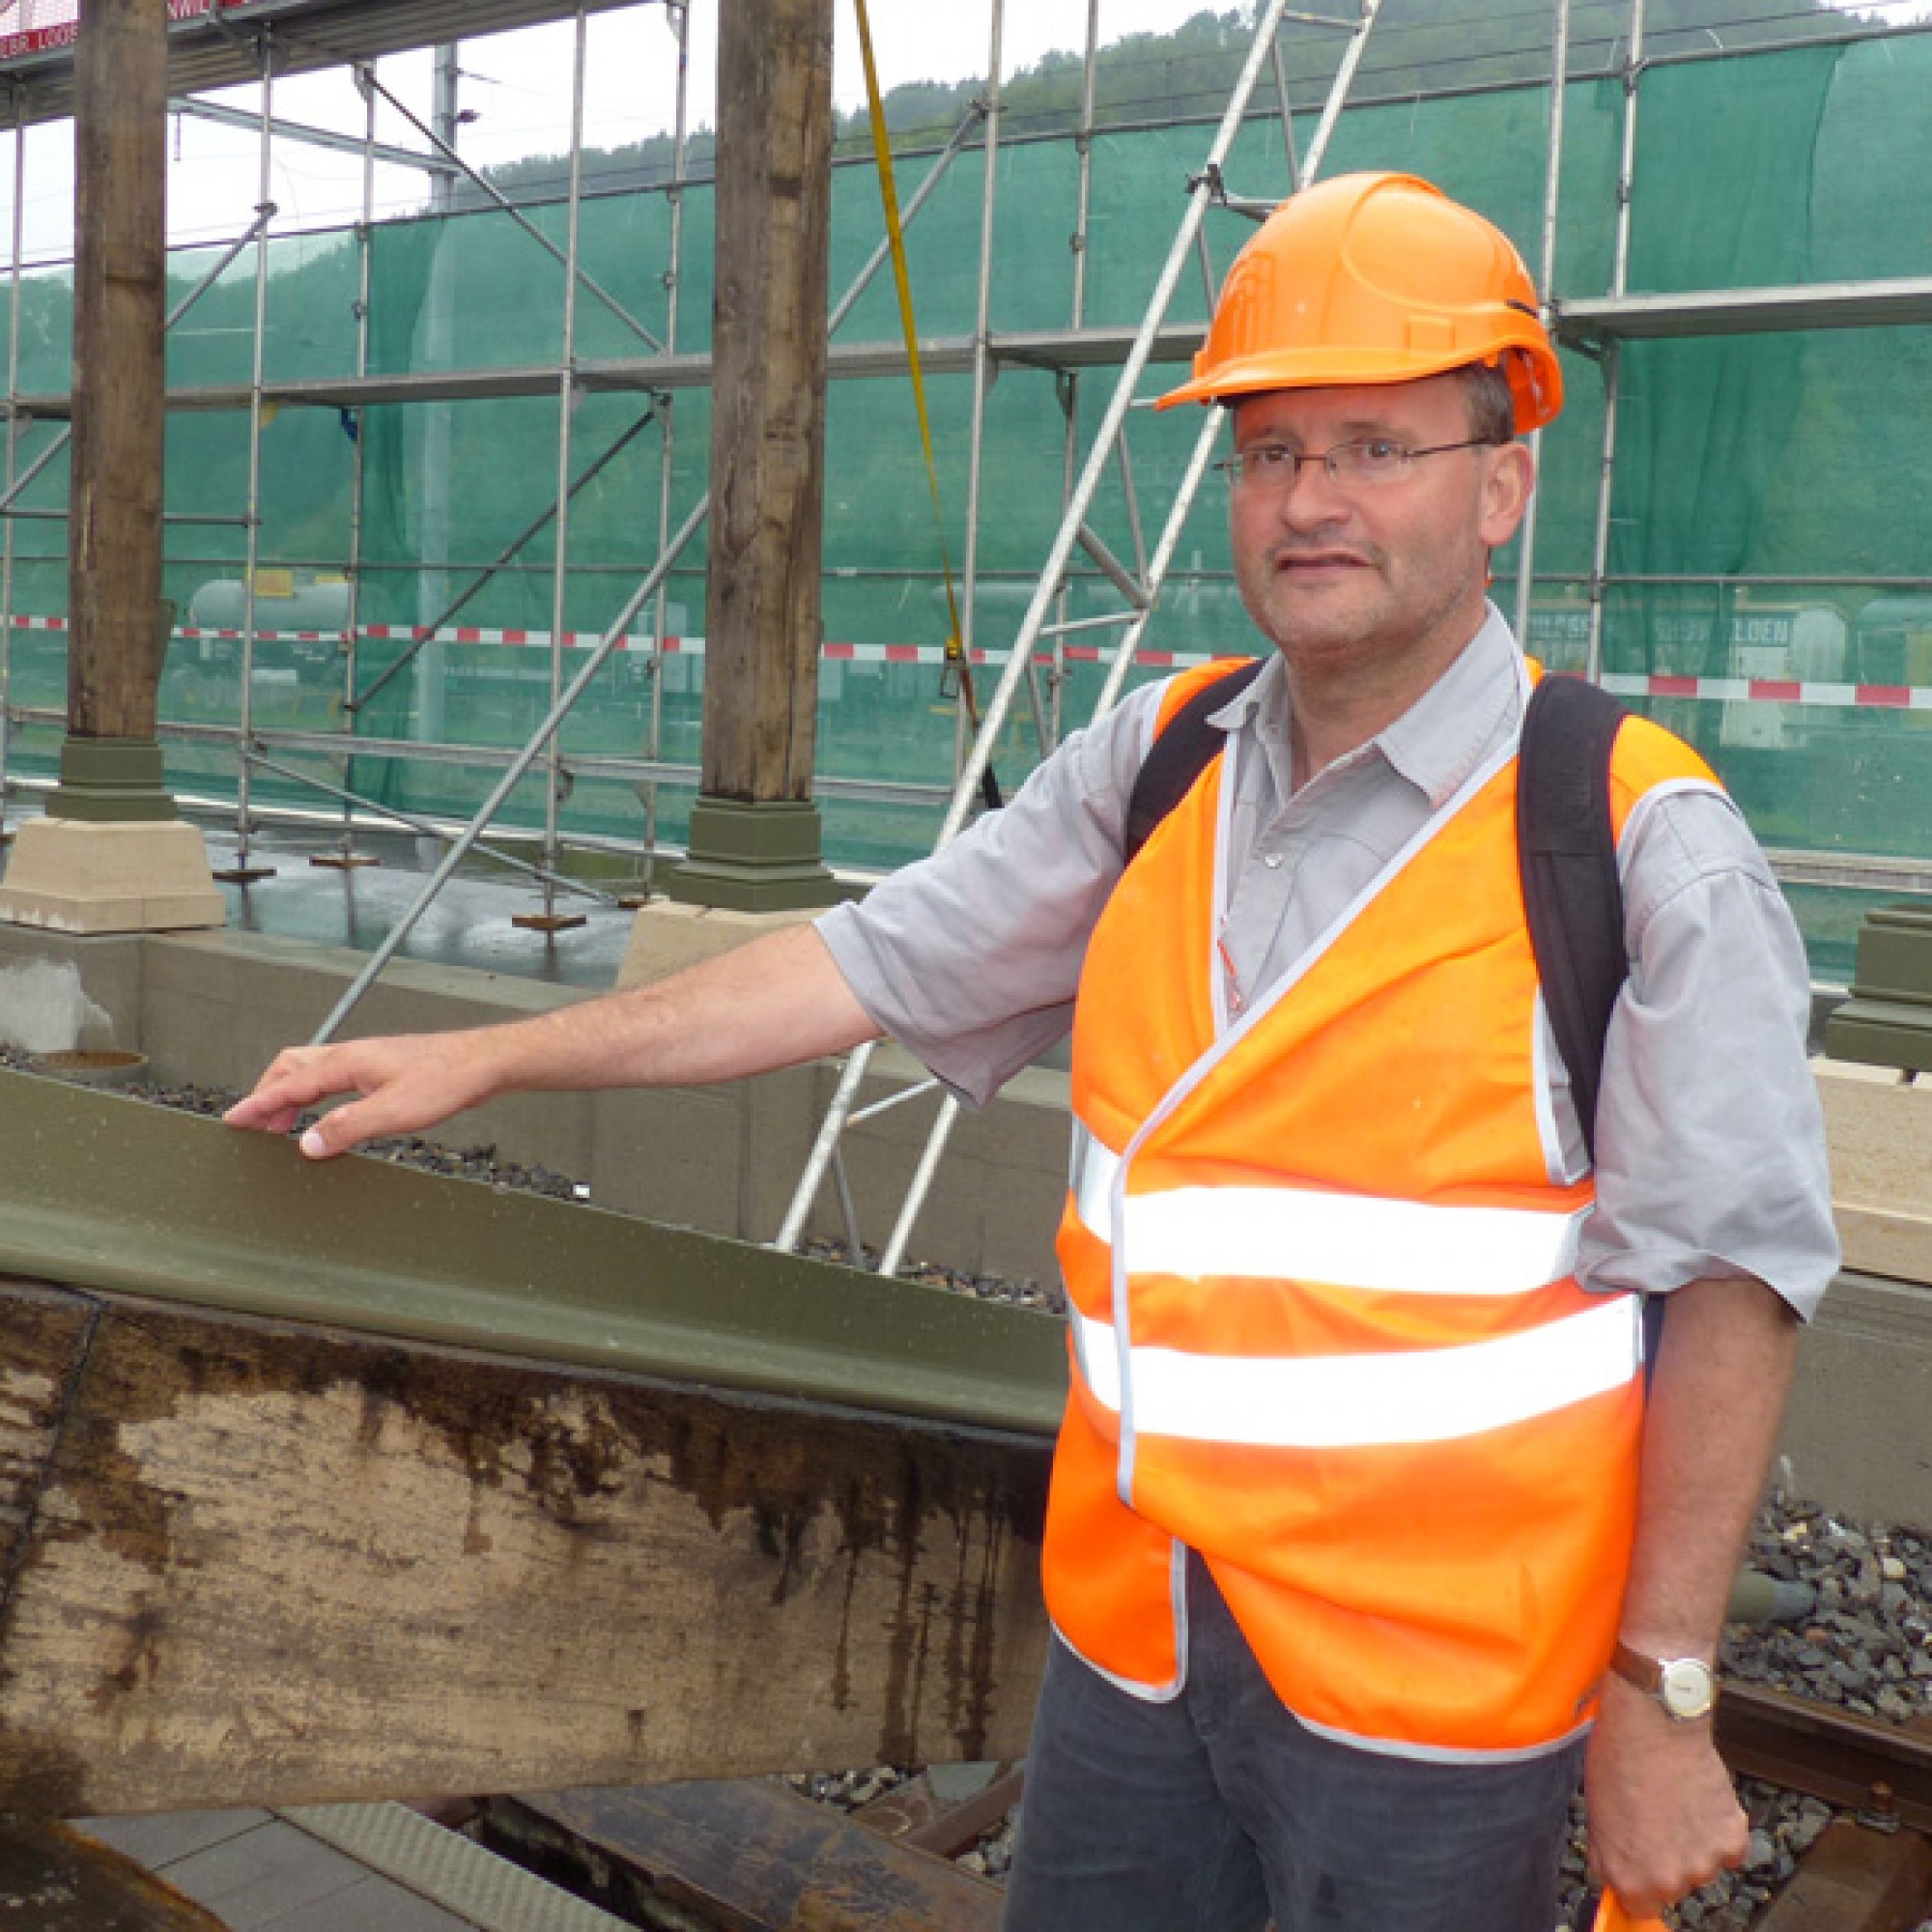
1183, 749
1567, 855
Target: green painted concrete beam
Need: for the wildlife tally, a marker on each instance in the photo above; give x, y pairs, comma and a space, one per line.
98, 1191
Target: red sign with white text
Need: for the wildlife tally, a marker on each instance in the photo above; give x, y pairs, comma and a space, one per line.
43, 27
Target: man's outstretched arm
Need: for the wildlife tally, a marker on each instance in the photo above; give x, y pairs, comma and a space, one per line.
776, 1001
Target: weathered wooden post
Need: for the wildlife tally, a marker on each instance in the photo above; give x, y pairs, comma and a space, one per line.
754, 830
111, 855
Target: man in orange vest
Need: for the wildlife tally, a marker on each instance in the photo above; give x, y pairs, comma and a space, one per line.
1366, 1536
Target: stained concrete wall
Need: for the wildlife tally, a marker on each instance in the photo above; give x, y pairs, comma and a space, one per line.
215, 1006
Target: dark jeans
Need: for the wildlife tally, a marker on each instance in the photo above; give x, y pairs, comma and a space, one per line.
1218, 1809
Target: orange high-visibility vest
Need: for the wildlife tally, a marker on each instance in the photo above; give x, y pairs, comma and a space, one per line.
1325, 1328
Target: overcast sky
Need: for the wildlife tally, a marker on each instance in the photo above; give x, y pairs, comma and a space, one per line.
519, 85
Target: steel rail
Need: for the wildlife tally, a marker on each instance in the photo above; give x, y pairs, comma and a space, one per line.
1067, 381
975, 117
1861, 1764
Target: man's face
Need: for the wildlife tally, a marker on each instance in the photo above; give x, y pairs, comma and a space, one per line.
1342, 577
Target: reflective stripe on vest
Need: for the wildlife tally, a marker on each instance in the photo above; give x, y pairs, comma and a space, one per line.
1349, 1401
1350, 1241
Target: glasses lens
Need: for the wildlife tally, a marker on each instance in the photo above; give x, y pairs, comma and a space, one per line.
1373, 460
1265, 467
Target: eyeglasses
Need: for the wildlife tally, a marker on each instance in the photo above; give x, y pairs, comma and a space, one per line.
1273, 468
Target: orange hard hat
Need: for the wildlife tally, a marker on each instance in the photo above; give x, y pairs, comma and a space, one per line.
1374, 278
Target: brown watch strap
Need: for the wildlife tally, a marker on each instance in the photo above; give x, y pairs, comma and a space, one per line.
1634, 1667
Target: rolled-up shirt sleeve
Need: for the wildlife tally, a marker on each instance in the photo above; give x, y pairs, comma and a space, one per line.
970, 958
1710, 1157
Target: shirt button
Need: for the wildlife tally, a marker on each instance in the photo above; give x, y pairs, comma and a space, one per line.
1272, 861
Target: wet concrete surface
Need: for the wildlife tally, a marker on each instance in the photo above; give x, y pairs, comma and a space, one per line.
468, 924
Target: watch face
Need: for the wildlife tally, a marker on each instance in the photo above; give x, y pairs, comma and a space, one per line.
1685, 1688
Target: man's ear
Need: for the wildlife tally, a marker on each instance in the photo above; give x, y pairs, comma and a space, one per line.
1508, 477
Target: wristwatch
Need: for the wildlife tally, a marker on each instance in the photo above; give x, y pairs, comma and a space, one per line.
1686, 1686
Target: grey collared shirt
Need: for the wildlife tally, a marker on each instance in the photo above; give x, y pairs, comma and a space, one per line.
1710, 1141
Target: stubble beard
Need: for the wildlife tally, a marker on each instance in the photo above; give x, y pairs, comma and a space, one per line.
1339, 636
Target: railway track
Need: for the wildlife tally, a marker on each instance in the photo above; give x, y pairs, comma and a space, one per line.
753, 1857
1871, 1870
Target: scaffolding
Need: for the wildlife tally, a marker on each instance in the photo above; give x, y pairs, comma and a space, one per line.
1089, 606
1138, 589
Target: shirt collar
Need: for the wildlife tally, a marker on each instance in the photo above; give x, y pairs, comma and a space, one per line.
1462, 718
1441, 738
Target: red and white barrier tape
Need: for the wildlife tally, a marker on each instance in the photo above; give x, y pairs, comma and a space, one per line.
1772, 691
1715, 690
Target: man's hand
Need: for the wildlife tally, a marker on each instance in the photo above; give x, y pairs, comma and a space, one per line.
406, 1083
775, 1002
1664, 1815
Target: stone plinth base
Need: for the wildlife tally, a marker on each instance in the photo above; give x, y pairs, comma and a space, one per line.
1879, 1126
80, 875
670, 936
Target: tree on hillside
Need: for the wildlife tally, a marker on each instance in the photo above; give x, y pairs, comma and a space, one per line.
1418, 48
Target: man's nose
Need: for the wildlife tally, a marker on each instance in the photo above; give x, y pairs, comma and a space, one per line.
1312, 495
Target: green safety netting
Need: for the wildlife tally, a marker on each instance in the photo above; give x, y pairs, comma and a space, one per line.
1780, 470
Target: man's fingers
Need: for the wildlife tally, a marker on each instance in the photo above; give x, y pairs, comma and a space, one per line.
296, 1079
337, 1132
399, 1086
399, 1099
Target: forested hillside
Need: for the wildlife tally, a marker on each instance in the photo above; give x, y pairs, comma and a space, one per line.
1418, 47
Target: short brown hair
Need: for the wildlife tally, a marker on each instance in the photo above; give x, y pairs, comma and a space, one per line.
1490, 403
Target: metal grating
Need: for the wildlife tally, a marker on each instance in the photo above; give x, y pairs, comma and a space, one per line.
449, 1870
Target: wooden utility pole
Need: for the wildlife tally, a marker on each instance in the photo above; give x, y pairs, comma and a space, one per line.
111, 856
754, 832
114, 551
